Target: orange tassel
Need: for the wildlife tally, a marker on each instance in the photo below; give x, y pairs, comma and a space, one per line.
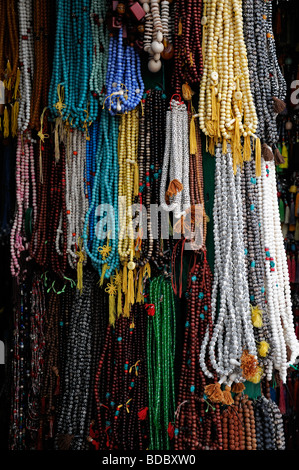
214, 393
228, 399
175, 186
249, 365
238, 387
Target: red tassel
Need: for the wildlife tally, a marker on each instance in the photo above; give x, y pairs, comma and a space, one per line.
57, 389
142, 414
39, 443
282, 404
43, 406
150, 309
293, 270
96, 444
170, 431
51, 427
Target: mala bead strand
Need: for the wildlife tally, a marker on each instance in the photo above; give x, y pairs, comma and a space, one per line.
101, 237
42, 16
26, 199
267, 83
226, 219
255, 265
37, 347
50, 386
26, 58
157, 38
70, 97
9, 67
124, 82
176, 162
160, 337
188, 67
192, 424
57, 234
38, 247
225, 87
73, 425
76, 195
98, 11
20, 364
277, 280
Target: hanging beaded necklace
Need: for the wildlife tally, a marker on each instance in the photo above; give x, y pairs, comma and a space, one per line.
75, 194
150, 155
123, 81
26, 200
251, 197
193, 424
26, 58
157, 39
42, 19
268, 86
98, 10
73, 425
226, 108
285, 343
176, 161
78, 105
120, 393
161, 339
101, 237
188, 59
20, 363
9, 67
232, 330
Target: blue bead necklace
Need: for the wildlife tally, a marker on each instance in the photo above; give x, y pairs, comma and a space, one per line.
100, 235
69, 96
124, 82
100, 39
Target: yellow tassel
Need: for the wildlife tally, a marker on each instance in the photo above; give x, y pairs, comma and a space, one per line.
263, 348
218, 120
258, 155
256, 317
126, 307
256, 378
119, 300
147, 270
16, 89
125, 279
193, 143
81, 256
247, 149
112, 310
187, 92
224, 147
180, 28
237, 154
211, 146
136, 180
130, 292
139, 296
285, 155
56, 141
104, 269
6, 123
14, 118
214, 104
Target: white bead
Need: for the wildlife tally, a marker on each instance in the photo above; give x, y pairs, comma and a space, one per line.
154, 66
157, 47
